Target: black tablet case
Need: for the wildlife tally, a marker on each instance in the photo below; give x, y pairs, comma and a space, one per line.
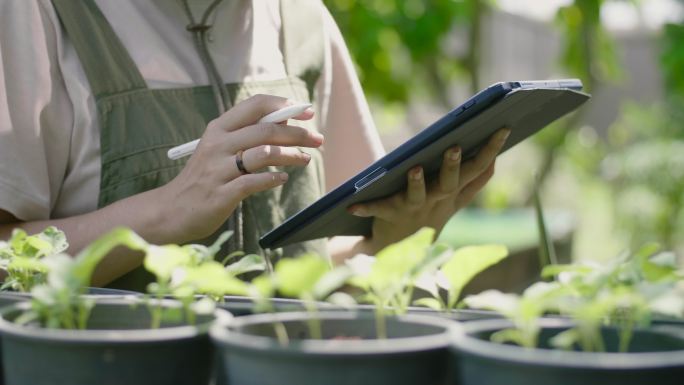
524, 111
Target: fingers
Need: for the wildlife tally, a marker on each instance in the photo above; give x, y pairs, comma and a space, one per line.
383, 208
263, 156
473, 168
415, 190
388, 208
468, 192
246, 185
449, 175
249, 112
271, 134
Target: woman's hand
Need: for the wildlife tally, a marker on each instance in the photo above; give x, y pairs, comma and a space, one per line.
402, 214
209, 188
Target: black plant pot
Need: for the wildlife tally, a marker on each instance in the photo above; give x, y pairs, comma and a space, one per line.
415, 352
654, 357
118, 347
8, 298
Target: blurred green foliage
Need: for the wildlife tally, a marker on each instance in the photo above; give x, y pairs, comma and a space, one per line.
421, 48
645, 165
645, 169
402, 47
673, 57
589, 51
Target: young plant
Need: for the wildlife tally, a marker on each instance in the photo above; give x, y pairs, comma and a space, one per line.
183, 272
523, 311
625, 292
59, 301
22, 257
457, 269
309, 278
388, 281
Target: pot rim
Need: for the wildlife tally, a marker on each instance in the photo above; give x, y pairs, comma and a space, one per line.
464, 343
113, 294
418, 310
99, 336
228, 335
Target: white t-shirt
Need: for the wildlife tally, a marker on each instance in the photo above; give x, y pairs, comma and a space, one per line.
49, 129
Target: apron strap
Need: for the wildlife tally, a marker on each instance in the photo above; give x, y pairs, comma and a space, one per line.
106, 62
302, 24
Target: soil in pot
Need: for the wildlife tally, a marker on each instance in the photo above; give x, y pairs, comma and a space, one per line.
117, 348
654, 357
415, 352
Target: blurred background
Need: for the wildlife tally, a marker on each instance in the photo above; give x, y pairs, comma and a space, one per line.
611, 176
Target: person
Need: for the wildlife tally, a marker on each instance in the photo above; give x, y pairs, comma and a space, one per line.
94, 92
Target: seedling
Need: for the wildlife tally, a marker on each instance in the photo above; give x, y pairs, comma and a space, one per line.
180, 271
625, 292
186, 271
59, 303
22, 257
389, 280
458, 269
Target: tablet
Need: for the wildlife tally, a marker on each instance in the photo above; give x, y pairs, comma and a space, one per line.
523, 106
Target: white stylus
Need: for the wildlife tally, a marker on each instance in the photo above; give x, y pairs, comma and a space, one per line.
278, 116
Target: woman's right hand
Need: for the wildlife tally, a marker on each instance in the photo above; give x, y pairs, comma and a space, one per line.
210, 186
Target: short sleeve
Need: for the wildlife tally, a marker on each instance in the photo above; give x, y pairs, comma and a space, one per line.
351, 140
35, 114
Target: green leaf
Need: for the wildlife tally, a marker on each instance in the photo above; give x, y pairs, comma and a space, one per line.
49, 241
551, 271
262, 286
342, 299
431, 303
396, 261
247, 264
466, 263
565, 340
509, 335
506, 304
437, 255
660, 267
212, 278
361, 266
428, 282
331, 281
17, 241
297, 277
216, 246
32, 265
162, 261
56, 238
90, 257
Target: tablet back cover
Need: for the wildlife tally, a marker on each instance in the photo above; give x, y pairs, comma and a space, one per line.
524, 111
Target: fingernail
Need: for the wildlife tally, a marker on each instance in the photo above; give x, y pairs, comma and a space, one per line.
417, 173
317, 137
306, 156
503, 135
455, 154
284, 177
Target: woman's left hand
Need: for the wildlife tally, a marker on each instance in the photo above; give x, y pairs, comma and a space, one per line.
402, 214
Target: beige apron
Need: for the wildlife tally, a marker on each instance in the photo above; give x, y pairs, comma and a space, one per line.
139, 125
